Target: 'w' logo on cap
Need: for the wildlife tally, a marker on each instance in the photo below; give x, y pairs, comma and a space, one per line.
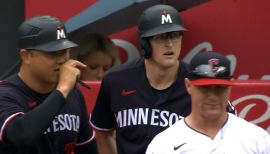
165, 17
60, 33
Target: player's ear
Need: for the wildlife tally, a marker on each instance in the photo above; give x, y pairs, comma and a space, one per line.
188, 85
25, 56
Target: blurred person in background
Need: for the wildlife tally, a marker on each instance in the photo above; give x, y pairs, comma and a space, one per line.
98, 53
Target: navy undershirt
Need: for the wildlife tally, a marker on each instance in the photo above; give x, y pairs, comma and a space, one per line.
162, 94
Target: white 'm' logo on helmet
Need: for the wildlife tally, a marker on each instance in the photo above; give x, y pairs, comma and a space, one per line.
60, 34
166, 18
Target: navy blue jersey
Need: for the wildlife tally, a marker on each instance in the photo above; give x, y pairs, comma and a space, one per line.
127, 103
69, 129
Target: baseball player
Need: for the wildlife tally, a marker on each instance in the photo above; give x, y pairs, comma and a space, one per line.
141, 98
209, 129
41, 109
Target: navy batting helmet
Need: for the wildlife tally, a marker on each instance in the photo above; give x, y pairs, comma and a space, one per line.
156, 20
43, 33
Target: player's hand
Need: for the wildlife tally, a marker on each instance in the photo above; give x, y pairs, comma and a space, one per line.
69, 73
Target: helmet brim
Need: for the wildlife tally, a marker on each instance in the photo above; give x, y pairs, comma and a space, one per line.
163, 29
55, 45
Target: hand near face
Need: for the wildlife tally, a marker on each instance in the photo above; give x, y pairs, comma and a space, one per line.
69, 73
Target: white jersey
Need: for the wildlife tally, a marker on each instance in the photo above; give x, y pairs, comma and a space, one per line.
236, 137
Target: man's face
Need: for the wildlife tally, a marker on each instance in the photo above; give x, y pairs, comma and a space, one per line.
45, 66
208, 101
166, 48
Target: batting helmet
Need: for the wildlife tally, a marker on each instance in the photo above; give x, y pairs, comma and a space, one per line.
156, 20
43, 33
